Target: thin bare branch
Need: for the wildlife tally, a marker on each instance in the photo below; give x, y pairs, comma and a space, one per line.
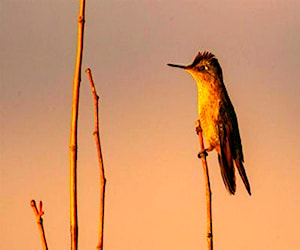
203, 155
73, 136
38, 216
100, 160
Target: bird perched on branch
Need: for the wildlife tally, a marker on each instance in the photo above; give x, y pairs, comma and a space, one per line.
217, 118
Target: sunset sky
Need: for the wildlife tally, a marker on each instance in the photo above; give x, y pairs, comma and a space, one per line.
155, 196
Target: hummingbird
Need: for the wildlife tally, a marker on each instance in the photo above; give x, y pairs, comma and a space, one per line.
217, 118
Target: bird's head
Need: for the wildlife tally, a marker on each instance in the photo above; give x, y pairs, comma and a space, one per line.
205, 67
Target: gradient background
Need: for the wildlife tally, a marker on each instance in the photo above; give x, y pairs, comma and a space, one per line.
155, 191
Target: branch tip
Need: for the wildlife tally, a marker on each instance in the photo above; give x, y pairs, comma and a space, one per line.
32, 203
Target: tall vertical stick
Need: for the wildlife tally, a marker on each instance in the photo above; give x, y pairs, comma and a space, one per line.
203, 155
73, 137
100, 160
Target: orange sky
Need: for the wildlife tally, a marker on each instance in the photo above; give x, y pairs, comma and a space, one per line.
155, 191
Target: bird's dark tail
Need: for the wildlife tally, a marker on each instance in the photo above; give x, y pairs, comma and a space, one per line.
226, 155
241, 169
227, 172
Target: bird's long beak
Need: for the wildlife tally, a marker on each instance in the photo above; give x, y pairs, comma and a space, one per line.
177, 66
187, 68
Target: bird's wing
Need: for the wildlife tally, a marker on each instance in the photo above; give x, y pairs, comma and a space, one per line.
225, 155
230, 148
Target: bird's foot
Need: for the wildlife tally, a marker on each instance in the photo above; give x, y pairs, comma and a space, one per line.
204, 152
198, 127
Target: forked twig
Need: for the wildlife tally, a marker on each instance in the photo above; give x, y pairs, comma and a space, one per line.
203, 155
100, 160
38, 215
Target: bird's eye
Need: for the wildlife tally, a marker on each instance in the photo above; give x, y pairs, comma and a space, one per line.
202, 68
